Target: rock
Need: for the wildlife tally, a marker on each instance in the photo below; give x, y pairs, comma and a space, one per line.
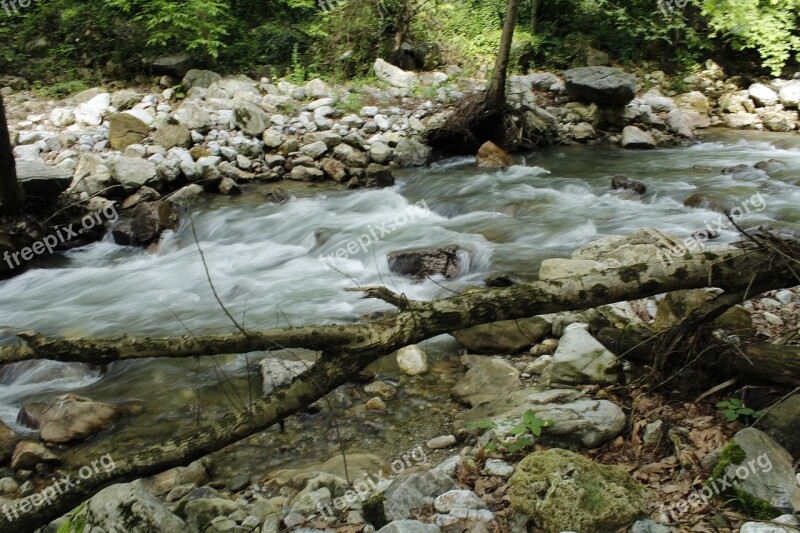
314, 150
171, 135
379, 176
783, 524
504, 337
229, 186
649, 526
381, 389
127, 506
146, 223
776, 120
740, 120
8, 441
680, 124
442, 442
194, 475
633, 137
394, 76
317, 88
605, 86
458, 499
560, 490
276, 372
488, 380
580, 359
772, 319
304, 173
762, 95
380, 153
199, 78
193, 116
643, 245
42, 181
760, 468
621, 182
790, 95
376, 404
91, 112
133, 173
351, 157
557, 268
420, 263
124, 130
273, 138
8, 486
412, 360
492, 156
583, 131
250, 118
412, 492
411, 153
185, 195
782, 424
70, 418
496, 467
653, 434
200, 513
334, 169
29, 454
176, 65
409, 526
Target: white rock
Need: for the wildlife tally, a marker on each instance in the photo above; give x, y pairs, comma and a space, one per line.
790, 95
581, 359
496, 467
773, 319
439, 443
394, 76
461, 499
762, 95
775, 526
412, 360
91, 112
784, 296
132, 173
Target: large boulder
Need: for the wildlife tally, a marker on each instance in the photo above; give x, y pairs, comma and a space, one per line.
170, 135
129, 507
411, 153
644, 245
133, 172
762, 95
91, 112
42, 181
581, 360
790, 95
759, 470
250, 118
124, 130
605, 86
394, 76
575, 421
420, 263
193, 116
72, 418
563, 491
504, 337
492, 156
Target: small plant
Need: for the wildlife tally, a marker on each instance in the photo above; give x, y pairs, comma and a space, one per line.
733, 408
297, 74
529, 423
351, 104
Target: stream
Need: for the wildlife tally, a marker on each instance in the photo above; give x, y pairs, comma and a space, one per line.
265, 262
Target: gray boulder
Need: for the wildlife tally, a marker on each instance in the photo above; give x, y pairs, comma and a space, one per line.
422, 262
394, 76
605, 86
504, 337
487, 380
633, 137
130, 507
411, 153
42, 181
132, 173
762, 95
199, 78
409, 493
250, 118
172, 64
580, 359
790, 95
782, 424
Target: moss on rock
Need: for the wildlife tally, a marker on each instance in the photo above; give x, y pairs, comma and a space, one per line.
564, 491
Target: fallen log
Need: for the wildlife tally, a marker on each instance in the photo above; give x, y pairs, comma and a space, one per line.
347, 349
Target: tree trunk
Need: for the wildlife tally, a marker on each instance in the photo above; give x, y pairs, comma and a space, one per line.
10, 197
496, 95
347, 349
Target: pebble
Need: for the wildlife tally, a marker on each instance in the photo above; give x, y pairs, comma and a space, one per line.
376, 404
442, 442
496, 467
773, 319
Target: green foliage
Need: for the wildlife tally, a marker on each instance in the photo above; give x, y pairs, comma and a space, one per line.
76, 522
529, 424
195, 25
352, 104
733, 454
297, 72
768, 26
733, 408
59, 90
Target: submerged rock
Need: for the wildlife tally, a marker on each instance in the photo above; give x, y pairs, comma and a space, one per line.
486, 381
412, 360
563, 491
621, 182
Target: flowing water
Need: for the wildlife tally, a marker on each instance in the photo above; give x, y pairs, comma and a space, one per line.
278, 265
